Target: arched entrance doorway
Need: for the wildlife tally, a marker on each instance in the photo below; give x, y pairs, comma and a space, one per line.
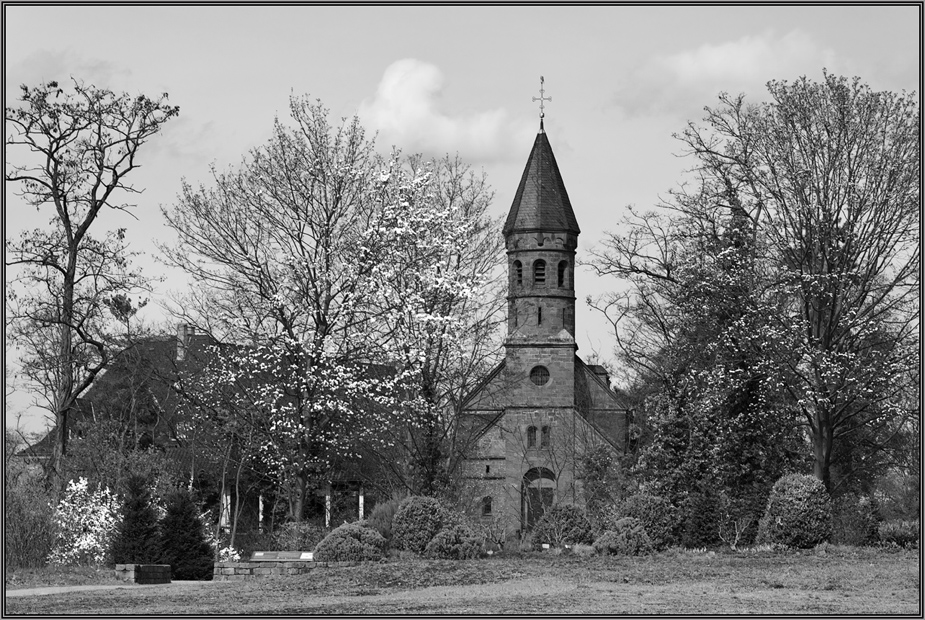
537, 494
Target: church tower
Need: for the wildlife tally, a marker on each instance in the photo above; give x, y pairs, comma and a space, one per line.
541, 236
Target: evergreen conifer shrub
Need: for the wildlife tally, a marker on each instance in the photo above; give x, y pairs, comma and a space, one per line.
416, 522
182, 541
628, 537
563, 524
136, 536
380, 519
701, 520
798, 513
350, 542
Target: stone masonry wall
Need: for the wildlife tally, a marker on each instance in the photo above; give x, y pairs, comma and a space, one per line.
236, 571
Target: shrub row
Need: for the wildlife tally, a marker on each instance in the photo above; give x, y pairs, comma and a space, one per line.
797, 513
421, 525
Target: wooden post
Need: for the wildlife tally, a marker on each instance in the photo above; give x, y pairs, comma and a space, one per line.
361, 502
260, 512
224, 521
327, 506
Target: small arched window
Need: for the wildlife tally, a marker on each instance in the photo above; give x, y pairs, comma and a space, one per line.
486, 506
544, 437
518, 273
563, 266
539, 315
539, 272
531, 436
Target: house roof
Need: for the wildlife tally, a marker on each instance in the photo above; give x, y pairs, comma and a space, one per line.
541, 202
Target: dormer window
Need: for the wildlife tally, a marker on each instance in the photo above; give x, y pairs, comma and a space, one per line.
518, 273
539, 272
563, 265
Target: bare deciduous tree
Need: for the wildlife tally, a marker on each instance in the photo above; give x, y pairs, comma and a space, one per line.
79, 147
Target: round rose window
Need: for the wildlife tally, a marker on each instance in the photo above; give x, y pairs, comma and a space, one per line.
539, 375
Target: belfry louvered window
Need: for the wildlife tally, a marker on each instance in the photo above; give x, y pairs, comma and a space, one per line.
539, 272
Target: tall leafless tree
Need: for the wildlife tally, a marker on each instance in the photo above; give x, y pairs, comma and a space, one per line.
74, 149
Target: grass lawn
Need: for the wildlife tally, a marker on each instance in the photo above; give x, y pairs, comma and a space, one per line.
842, 580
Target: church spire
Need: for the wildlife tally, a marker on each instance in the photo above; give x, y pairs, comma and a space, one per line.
541, 202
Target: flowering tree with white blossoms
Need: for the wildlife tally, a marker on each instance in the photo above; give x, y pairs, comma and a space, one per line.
442, 303
292, 255
86, 522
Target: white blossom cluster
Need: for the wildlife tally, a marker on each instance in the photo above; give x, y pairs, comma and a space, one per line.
86, 522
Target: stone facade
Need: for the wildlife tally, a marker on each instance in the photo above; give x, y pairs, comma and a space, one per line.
531, 421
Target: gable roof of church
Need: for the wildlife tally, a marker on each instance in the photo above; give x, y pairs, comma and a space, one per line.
541, 202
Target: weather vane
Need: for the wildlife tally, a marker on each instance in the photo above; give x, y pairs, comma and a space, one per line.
542, 99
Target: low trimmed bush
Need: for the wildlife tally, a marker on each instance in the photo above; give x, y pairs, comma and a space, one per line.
416, 522
456, 542
350, 542
901, 533
563, 524
628, 537
854, 520
798, 514
659, 517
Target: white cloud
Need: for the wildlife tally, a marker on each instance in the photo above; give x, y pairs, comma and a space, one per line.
46, 65
676, 82
406, 111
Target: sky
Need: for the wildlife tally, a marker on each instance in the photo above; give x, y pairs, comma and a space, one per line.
437, 80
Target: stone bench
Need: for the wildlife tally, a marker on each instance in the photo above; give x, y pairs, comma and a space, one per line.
143, 573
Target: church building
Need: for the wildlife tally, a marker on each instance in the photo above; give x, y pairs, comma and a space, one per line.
538, 413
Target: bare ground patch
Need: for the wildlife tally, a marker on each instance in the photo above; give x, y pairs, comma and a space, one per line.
847, 582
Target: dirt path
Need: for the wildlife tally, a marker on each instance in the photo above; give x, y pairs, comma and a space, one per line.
65, 589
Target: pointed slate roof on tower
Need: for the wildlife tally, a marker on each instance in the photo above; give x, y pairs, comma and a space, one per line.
541, 202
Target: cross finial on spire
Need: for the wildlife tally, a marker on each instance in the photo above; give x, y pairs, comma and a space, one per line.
542, 99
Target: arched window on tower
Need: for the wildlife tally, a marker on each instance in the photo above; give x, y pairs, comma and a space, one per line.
539, 272
563, 266
544, 437
518, 273
531, 436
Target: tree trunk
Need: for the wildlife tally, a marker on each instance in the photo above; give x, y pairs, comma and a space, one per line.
822, 447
